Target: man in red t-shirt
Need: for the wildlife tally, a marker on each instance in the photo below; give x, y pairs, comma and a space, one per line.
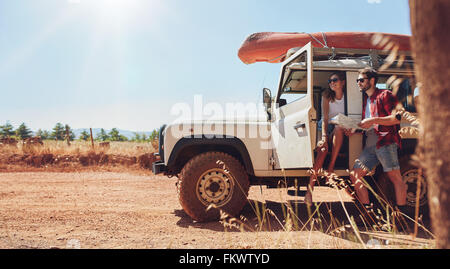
382, 138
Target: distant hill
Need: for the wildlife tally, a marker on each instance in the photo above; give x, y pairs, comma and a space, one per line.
95, 131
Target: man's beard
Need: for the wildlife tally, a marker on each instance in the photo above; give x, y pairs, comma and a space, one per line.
364, 89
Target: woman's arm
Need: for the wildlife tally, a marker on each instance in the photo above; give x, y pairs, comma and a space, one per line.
325, 111
325, 118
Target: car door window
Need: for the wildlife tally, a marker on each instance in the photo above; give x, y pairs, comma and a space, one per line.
295, 87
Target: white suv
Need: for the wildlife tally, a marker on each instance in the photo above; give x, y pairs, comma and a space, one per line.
217, 161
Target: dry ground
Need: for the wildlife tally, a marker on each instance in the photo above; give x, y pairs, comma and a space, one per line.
94, 209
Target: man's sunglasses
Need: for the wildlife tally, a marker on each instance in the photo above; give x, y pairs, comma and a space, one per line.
333, 80
361, 80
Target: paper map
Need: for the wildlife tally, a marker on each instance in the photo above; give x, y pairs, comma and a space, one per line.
346, 122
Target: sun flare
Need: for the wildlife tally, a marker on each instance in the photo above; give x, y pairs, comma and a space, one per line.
115, 9
113, 14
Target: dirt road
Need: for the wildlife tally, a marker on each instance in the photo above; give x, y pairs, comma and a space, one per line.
131, 210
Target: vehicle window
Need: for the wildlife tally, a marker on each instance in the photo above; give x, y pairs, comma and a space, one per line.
294, 82
295, 86
402, 87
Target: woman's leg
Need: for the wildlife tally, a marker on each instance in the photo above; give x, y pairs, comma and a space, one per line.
318, 163
338, 138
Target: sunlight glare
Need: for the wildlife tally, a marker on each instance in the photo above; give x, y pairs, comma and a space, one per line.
116, 15
112, 10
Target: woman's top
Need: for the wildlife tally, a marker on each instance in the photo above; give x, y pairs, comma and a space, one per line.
336, 107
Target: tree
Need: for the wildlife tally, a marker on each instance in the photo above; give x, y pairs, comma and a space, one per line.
6, 130
114, 135
144, 137
68, 131
23, 132
43, 134
58, 132
102, 136
154, 135
84, 135
136, 137
430, 39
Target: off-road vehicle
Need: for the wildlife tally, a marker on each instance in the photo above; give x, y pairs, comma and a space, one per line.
217, 161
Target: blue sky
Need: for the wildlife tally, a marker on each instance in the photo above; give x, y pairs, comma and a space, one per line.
126, 63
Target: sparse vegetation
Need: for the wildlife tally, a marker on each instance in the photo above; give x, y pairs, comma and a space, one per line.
342, 220
55, 154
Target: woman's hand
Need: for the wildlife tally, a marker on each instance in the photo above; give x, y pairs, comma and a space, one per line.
323, 144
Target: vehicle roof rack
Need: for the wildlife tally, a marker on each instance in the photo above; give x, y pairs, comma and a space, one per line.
375, 57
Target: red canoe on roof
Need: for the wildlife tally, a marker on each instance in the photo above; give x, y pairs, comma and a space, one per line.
272, 47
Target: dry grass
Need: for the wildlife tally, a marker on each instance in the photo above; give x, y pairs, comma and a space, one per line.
80, 147
347, 227
79, 155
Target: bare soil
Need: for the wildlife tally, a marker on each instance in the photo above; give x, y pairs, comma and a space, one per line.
72, 161
123, 209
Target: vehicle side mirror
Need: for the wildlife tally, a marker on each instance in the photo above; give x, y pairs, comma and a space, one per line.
267, 101
267, 98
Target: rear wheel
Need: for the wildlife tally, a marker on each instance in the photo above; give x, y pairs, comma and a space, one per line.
210, 183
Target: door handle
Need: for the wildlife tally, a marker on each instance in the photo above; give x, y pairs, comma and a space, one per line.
299, 125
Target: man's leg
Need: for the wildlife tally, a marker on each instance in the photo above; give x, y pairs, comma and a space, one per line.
366, 161
399, 186
389, 160
357, 178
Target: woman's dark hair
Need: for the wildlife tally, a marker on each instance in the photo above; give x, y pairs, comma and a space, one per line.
329, 93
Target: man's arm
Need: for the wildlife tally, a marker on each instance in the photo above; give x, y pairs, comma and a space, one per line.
387, 121
389, 102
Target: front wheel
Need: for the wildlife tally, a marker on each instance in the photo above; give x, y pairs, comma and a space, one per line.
212, 182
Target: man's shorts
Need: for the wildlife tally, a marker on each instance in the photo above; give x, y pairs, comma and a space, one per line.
370, 157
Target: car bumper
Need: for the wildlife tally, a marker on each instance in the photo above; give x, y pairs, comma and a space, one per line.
158, 167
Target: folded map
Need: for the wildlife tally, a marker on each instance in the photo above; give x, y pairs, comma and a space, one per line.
346, 122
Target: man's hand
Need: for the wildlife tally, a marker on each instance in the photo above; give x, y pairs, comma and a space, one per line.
367, 123
349, 132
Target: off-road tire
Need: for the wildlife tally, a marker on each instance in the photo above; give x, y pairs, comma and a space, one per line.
410, 174
195, 195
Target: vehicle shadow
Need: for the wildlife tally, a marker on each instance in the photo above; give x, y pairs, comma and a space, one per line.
276, 216
331, 218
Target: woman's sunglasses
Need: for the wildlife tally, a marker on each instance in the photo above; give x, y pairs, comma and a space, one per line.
333, 80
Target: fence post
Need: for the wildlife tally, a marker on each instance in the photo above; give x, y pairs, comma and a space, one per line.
92, 139
67, 136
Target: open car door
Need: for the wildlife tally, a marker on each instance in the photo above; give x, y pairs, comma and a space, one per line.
294, 117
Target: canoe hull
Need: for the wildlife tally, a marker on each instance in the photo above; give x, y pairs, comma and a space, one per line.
272, 47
